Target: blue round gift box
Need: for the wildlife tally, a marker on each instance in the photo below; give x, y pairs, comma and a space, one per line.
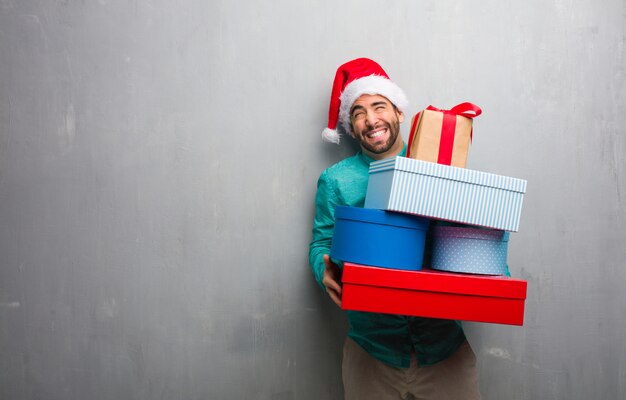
379, 238
470, 250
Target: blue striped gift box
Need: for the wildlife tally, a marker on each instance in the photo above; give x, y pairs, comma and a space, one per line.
444, 192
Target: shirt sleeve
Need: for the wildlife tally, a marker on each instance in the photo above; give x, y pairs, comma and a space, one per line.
323, 226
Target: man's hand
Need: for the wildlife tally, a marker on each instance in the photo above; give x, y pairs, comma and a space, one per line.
332, 280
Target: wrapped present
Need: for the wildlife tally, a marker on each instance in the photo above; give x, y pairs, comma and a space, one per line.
434, 294
442, 136
447, 193
379, 238
469, 250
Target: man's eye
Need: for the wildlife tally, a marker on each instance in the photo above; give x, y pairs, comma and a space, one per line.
358, 115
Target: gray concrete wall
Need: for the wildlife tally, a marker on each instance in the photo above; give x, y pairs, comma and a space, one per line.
158, 163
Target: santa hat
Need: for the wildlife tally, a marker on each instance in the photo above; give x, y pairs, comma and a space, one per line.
353, 79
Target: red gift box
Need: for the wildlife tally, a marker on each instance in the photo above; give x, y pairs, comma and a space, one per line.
434, 294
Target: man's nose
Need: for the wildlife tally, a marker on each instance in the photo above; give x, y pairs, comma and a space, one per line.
371, 118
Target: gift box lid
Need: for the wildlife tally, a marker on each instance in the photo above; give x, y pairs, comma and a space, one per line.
381, 217
473, 232
449, 172
435, 281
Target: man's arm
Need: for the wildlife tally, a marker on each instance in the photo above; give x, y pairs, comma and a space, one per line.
326, 273
332, 280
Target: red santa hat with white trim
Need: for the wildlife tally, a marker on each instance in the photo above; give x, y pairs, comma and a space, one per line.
353, 79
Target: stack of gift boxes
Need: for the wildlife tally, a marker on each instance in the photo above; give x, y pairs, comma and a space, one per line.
432, 238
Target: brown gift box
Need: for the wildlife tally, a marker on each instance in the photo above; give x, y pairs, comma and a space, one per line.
442, 136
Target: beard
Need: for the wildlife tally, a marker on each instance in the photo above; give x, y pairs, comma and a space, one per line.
394, 130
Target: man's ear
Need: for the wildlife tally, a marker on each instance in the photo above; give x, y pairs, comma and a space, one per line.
400, 116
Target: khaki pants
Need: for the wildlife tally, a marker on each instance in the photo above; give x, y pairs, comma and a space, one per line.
364, 377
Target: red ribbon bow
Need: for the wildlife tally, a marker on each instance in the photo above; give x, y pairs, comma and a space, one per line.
467, 110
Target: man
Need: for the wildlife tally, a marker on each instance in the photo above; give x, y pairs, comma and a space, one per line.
385, 356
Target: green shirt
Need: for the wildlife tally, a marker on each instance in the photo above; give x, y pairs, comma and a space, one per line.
389, 338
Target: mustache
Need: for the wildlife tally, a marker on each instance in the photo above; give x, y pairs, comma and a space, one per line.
378, 126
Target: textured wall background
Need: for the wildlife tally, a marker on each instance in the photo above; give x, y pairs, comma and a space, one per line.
158, 163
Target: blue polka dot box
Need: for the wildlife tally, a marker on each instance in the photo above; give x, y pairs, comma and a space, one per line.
469, 250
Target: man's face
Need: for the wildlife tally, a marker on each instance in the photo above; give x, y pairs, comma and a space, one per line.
376, 124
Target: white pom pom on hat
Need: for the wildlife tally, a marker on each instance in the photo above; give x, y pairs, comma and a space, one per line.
353, 79
331, 135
